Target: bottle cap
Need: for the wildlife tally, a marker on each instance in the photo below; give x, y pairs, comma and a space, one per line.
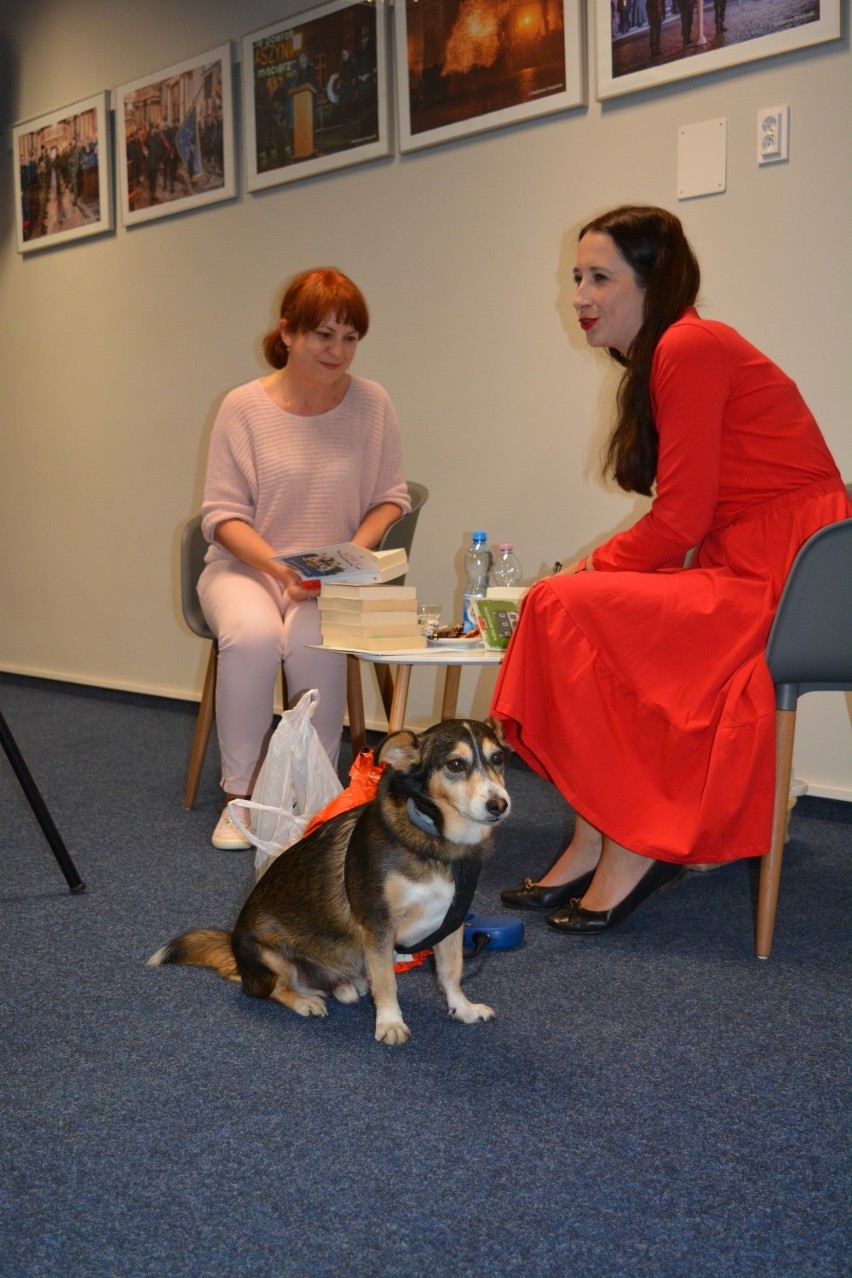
505, 545
480, 536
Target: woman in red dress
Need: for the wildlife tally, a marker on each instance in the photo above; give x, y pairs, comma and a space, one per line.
636, 685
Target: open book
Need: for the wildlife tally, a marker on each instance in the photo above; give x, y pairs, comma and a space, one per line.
347, 563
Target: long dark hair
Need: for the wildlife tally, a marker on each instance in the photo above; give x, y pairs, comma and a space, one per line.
309, 298
653, 244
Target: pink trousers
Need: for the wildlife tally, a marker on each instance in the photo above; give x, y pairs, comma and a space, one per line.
258, 626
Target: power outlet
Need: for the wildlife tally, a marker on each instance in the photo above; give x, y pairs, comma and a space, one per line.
773, 135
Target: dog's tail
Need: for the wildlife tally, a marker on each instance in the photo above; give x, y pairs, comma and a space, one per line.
206, 947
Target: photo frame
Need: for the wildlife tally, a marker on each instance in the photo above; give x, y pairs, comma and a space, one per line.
63, 175
725, 33
316, 92
467, 66
174, 138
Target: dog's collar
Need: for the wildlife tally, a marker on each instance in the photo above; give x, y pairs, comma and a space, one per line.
421, 819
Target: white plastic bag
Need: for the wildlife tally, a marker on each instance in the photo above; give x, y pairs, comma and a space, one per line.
296, 779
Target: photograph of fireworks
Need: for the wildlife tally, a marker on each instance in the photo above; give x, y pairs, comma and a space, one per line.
464, 66
643, 43
315, 92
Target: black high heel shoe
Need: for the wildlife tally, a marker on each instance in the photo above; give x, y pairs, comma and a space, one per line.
531, 896
574, 920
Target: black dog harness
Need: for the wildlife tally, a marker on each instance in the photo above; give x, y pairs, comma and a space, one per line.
465, 877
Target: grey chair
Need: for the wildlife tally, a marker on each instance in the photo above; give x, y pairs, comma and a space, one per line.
809, 650
193, 548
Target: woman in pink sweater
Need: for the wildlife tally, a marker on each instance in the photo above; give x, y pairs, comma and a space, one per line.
307, 456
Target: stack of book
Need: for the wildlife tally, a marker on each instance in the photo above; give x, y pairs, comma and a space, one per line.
369, 618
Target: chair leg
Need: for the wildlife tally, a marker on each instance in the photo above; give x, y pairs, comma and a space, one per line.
770, 865
203, 724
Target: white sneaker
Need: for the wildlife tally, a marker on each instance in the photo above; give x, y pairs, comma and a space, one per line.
227, 836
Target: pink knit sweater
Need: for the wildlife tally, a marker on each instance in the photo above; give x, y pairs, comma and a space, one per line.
302, 482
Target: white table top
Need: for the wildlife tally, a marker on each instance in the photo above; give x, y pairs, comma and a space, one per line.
423, 656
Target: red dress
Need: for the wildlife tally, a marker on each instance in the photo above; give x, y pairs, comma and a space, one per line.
640, 689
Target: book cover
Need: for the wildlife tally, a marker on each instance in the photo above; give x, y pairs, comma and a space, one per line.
497, 618
347, 563
367, 596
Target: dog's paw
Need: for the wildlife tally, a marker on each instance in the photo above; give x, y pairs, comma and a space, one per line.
346, 992
469, 1013
309, 1005
393, 1032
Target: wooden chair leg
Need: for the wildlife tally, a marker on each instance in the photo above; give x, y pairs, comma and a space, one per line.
770, 865
203, 724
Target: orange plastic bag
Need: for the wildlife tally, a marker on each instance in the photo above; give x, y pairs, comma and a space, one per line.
363, 783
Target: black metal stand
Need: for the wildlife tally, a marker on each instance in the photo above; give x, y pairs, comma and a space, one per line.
39, 807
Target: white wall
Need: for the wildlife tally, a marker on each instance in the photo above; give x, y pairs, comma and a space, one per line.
115, 352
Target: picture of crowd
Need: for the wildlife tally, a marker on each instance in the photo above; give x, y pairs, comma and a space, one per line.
630, 14
60, 188
649, 32
174, 136
169, 162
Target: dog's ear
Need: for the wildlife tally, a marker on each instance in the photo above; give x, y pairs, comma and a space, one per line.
497, 728
400, 750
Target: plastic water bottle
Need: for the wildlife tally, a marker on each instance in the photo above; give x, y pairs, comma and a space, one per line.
507, 570
477, 565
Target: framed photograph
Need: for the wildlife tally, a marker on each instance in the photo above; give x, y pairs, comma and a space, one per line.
316, 92
643, 43
464, 66
174, 138
63, 178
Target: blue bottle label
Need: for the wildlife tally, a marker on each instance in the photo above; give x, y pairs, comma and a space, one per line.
469, 617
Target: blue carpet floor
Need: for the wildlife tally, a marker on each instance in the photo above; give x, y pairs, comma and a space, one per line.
652, 1102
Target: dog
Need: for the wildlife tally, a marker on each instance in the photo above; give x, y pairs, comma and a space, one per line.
395, 874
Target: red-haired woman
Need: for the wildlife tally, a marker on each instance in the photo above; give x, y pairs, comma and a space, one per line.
636, 685
308, 455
